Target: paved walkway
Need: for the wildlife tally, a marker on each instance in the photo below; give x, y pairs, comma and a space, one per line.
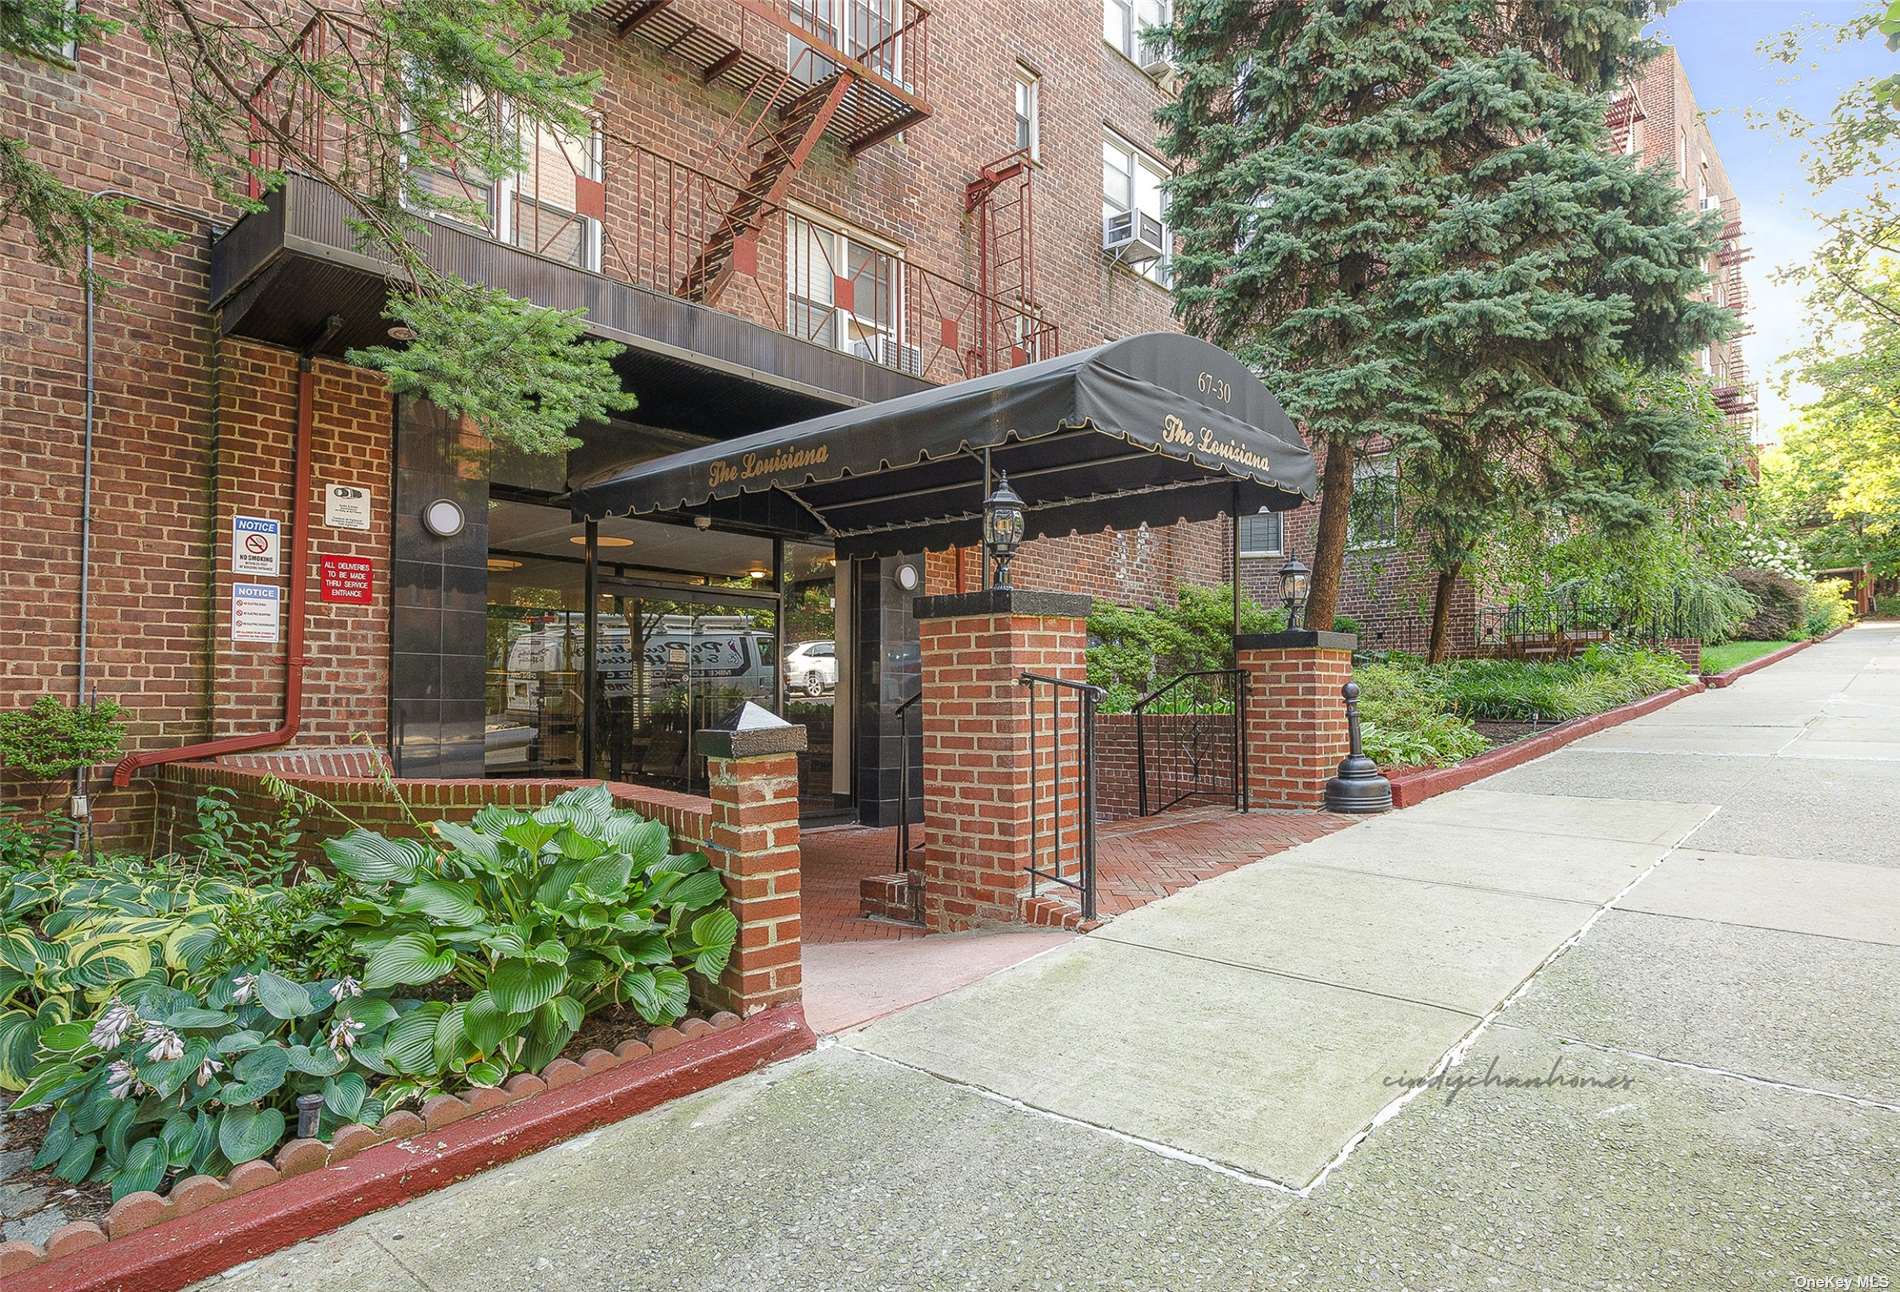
1138, 860
1657, 975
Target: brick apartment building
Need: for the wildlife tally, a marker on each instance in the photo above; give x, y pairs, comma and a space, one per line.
934, 208
1387, 587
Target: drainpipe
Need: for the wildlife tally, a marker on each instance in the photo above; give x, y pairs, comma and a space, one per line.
131, 764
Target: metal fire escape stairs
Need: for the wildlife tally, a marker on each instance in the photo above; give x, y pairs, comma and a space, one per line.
794, 86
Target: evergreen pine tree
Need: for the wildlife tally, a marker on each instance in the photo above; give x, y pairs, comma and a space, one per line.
1407, 215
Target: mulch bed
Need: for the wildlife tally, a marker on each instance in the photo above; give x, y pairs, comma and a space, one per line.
1505, 733
26, 1193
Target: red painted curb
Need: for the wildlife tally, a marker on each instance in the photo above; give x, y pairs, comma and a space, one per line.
1418, 784
1730, 676
179, 1252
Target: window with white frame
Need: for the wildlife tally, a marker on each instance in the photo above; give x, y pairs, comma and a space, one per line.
1028, 112
1262, 534
538, 209
542, 207
1131, 181
1372, 520
867, 30
457, 192
842, 291
1124, 20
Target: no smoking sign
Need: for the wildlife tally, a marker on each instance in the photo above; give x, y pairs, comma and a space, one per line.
255, 546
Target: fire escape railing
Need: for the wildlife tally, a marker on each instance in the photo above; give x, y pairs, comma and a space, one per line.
610, 205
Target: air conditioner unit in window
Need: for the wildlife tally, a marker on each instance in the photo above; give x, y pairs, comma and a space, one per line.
908, 359
1132, 237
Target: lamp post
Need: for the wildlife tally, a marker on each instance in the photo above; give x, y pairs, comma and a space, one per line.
1295, 579
1003, 524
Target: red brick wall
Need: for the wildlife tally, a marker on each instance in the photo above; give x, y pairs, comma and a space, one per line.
980, 786
346, 683
1296, 724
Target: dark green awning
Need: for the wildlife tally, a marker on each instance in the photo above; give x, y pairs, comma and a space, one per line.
1152, 429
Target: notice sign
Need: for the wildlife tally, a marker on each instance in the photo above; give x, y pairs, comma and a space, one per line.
255, 612
345, 507
255, 544
346, 579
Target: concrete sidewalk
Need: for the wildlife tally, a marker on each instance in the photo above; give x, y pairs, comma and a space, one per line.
1654, 980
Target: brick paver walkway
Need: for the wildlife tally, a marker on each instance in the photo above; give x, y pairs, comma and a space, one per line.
1136, 861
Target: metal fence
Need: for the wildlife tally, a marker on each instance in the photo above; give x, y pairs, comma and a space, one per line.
1189, 740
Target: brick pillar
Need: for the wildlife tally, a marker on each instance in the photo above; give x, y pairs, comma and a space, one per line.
752, 779
1296, 720
978, 790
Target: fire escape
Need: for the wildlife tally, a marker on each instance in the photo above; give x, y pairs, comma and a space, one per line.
1011, 330
1734, 393
803, 69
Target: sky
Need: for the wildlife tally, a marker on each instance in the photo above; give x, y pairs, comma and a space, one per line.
1717, 41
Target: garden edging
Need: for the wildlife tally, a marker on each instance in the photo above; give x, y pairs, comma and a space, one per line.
300, 1196
1729, 677
1415, 785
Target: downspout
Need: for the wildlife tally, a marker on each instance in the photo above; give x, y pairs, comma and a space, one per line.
301, 473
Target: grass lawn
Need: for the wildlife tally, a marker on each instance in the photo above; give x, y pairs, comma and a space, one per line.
1720, 659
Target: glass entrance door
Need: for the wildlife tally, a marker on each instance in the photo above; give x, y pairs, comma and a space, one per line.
671, 661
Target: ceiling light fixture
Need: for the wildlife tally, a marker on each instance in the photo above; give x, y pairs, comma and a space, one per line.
503, 563
601, 540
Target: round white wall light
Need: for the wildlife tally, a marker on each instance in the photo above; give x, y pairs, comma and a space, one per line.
907, 577
444, 518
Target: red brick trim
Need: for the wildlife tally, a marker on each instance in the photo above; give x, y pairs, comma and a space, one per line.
180, 1251
1414, 785
1730, 676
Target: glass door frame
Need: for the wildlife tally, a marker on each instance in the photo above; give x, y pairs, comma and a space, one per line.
772, 597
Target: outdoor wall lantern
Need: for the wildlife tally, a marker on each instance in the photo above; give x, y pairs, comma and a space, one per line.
1002, 528
1295, 578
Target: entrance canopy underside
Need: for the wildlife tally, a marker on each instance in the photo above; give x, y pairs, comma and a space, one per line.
1151, 429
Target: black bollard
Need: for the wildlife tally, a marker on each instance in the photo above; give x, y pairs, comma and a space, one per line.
1358, 788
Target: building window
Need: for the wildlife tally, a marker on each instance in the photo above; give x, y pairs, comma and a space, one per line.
542, 206
1124, 20
1262, 534
1131, 181
842, 291
1028, 113
1373, 518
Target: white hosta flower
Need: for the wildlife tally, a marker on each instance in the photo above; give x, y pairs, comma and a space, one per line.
344, 988
343, 1034
244, 989
166, 1044
208, 1070
122, 1080
113, 1025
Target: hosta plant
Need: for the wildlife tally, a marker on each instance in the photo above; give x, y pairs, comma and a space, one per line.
527, 923
68, 946
166, 1082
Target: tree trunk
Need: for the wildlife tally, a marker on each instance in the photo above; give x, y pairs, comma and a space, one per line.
1441, 612
1329, 543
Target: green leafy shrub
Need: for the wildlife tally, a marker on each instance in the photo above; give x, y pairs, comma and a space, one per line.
72, 944
226, 845
531, 921
1713, 607
1781, 605
1510, 690
1132, 651
1827, 607
169, 1081
52, 738
1405, 722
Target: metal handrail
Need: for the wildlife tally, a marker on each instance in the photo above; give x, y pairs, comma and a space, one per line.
1087, 697
1237, 734
904, 848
